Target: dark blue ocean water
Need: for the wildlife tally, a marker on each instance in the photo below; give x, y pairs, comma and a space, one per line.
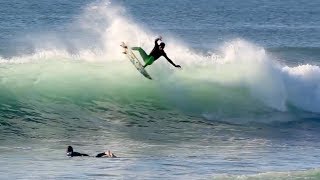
245, 104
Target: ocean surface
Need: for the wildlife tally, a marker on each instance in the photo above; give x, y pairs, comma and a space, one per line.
245, 105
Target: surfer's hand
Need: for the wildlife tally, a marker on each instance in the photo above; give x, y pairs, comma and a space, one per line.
177, 66
160, 38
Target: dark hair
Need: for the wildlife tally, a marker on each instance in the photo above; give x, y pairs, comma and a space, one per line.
70, 149
162, 44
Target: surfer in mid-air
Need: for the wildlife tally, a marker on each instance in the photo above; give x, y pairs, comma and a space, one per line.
71, 153
156, 52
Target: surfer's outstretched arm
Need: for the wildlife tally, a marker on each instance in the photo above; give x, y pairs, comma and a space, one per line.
171, 62
156, 41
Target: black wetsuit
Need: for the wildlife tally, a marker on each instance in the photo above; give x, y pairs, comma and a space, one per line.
100, 155
74, 154
156, 52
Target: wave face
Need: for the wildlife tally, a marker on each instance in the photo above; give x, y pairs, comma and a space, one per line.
241, 79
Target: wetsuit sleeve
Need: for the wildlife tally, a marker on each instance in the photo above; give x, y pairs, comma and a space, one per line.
169, 60
156, 42
79, 154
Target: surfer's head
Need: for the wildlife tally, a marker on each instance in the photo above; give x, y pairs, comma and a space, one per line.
162, 45
69, 150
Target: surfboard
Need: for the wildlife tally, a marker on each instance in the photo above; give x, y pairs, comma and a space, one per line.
134, 60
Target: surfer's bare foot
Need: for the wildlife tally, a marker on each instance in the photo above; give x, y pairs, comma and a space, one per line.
124, 52
110, 154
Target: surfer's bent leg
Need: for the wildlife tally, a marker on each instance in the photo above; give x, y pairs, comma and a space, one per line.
100, 154
149, 61
143, 54
106, 154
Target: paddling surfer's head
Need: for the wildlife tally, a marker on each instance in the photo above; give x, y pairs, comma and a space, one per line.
69, 150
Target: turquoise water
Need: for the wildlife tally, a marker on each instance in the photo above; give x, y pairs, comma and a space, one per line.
244, 105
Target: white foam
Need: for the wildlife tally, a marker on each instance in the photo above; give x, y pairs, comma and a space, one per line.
303, 86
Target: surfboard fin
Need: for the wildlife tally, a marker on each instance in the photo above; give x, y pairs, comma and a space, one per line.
123, 45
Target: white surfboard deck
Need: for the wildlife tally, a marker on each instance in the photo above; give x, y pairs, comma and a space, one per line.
135, 61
